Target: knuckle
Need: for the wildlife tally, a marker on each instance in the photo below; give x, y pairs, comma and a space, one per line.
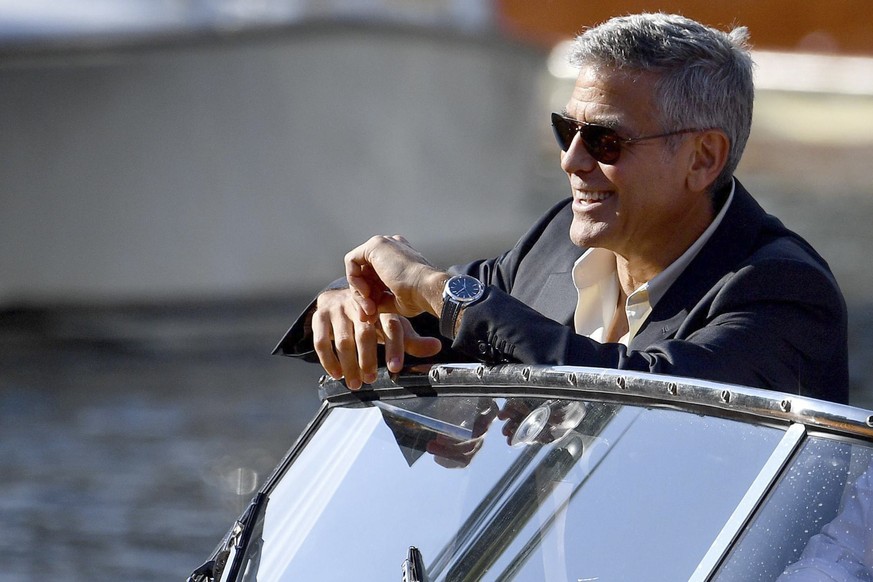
392, 325
320, 314
321, 344
345, 342
365, 331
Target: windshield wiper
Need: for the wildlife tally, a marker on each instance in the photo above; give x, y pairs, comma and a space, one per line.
413, 566
230, 550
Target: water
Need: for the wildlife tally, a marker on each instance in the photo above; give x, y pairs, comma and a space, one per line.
124, 459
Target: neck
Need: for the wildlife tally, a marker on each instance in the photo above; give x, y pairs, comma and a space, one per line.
635, 269
631, 278
644, 264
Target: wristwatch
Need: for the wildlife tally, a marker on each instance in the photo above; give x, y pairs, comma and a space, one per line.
460, 291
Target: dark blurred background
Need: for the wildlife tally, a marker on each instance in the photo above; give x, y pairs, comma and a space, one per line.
179, 177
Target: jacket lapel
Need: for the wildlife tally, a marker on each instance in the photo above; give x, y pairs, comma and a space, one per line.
731, 243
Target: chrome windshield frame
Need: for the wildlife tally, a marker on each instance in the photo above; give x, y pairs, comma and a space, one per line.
702, 396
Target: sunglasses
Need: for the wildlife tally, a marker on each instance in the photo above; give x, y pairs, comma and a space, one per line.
602, 143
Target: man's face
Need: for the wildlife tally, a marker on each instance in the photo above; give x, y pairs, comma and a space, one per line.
638, 205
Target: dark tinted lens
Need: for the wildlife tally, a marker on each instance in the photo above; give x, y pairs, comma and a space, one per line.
602, 143
564, 131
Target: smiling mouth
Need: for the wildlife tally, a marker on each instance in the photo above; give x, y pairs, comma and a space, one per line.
590, 197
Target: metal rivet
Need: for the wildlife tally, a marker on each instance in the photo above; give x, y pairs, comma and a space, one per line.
526, 374
785, 405
725, 396
673, 388
620, 383
870, 421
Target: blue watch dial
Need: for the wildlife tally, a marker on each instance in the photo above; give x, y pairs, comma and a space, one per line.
465, 288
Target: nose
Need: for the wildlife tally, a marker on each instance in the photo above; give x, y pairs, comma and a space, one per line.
577, 159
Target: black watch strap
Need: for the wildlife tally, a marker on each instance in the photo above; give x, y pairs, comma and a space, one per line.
449, 317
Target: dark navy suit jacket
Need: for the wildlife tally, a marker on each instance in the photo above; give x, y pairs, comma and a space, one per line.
757, 306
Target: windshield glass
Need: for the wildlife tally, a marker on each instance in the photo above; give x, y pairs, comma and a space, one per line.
507, 489
817, 524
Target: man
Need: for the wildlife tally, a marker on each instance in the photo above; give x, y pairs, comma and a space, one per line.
670, 266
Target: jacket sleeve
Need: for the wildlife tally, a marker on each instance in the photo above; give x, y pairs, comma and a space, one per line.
778, 324
297, 341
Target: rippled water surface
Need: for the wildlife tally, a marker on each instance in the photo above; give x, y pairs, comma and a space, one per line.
126, 460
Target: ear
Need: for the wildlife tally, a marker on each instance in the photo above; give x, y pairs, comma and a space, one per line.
709, 157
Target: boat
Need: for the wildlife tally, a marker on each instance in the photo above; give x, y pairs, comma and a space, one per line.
461, 472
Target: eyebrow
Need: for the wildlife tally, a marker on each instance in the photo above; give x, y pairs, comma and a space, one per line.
610, 122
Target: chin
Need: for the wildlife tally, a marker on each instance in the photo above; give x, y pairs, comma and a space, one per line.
587, 235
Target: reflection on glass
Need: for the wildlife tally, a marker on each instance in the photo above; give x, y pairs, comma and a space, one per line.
817, 524
548, 422
450, 429
586, 481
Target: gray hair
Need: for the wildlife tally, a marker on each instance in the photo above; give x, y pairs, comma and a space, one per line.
704, 75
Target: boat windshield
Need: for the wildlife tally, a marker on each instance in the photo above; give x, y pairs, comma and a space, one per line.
816, 524
507, 489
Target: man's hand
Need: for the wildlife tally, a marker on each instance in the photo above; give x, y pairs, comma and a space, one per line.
452, 453
389, 276
347, 346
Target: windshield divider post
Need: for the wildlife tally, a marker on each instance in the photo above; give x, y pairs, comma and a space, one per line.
744, 511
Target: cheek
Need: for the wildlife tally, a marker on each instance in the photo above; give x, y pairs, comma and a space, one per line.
619, 178
641, 185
